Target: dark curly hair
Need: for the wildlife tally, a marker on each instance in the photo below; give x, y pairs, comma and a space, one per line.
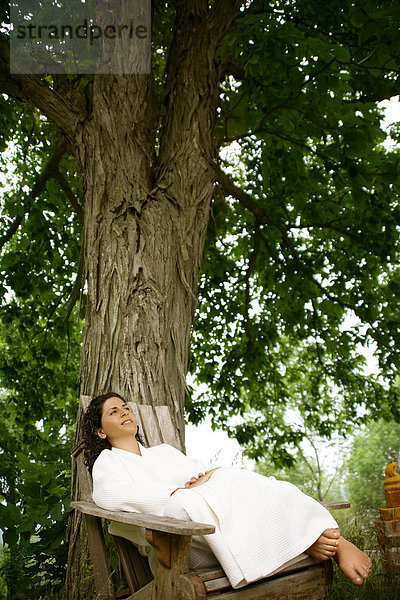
91, 423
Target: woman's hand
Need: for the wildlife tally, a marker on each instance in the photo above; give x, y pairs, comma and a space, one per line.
193, 480
202, 478
196, 481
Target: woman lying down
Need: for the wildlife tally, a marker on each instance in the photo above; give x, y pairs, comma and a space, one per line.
261, 524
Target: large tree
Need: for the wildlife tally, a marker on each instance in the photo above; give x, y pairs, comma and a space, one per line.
244, 176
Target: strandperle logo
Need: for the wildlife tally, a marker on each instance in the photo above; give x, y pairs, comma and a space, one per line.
84, 31
79, 37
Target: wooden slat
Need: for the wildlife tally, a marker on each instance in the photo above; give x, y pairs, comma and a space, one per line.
336, 505
146, 593
166, 524
84, 479
135, 410
308, 584
216, 580
208, 574
307, 561
77, 449
85, 401
198, 591
161, 543
166, 426
136, 567
222, 583
150, 424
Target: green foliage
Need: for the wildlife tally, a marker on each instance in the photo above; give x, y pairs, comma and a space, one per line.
302, 272
39, 355
3, 589
376, 446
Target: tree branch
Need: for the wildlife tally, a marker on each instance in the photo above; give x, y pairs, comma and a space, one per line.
307, 462
192, 86
10, 232
224, 9
77, 286
70, 194
329, 225
228, 67
317, 327
48, 172
256, 7
309, 274
28, 87
330, 481
270, 250
377, 97
314, 28
290, 98
249, 271
264, 218
273, 132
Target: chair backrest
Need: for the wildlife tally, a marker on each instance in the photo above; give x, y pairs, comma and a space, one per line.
156, 425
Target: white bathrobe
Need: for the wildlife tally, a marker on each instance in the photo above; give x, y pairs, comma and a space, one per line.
261, 523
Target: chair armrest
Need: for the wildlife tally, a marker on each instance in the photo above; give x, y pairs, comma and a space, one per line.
164, 524
335, 505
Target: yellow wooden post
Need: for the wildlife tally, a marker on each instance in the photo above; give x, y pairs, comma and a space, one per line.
388, 527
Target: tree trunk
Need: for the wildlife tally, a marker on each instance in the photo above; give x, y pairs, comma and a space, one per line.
144, 229
143, 251
143, 248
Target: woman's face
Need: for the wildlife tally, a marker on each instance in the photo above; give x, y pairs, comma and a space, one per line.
117, 421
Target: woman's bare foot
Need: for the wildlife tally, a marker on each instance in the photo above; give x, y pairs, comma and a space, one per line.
326, 545
354, 563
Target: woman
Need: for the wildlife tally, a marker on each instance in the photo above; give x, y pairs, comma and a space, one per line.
261, 524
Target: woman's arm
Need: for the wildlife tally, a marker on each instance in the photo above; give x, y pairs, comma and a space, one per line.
196, 481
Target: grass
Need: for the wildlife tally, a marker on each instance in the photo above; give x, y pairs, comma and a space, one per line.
379, 585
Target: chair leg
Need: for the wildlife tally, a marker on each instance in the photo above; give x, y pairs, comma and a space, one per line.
172, 578
98, 554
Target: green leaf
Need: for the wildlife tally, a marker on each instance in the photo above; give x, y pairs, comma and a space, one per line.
9, 515
358, 17
342, 53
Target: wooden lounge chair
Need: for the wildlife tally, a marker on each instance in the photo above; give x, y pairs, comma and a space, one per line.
171, 540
